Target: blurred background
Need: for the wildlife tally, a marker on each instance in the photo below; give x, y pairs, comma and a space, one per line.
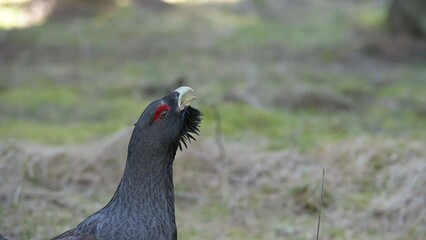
286, 87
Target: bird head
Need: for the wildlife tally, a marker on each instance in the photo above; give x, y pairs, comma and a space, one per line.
169, 122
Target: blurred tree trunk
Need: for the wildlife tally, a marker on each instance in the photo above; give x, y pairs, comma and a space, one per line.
65, 9
408, 17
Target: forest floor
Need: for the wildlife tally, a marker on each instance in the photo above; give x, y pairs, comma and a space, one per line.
298, 86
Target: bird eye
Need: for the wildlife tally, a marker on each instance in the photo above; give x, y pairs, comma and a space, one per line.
164, 114
161, 112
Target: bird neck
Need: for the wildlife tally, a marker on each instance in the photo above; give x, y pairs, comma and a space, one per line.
147, 183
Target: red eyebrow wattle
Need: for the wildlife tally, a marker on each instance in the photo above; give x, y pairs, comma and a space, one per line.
159, 110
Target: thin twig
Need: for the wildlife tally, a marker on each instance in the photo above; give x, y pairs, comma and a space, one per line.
320, 206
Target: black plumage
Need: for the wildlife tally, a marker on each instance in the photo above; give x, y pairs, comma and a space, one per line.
143, 205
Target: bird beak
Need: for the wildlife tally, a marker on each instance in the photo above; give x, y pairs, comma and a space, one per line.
185, 97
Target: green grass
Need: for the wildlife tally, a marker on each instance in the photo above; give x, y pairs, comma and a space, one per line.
51, 113
372, 16
85, 80
86, 95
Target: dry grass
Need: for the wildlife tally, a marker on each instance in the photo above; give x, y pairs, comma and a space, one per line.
392, 172
42, 185
374, 188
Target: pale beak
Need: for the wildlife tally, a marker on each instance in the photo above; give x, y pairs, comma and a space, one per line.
185, 97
